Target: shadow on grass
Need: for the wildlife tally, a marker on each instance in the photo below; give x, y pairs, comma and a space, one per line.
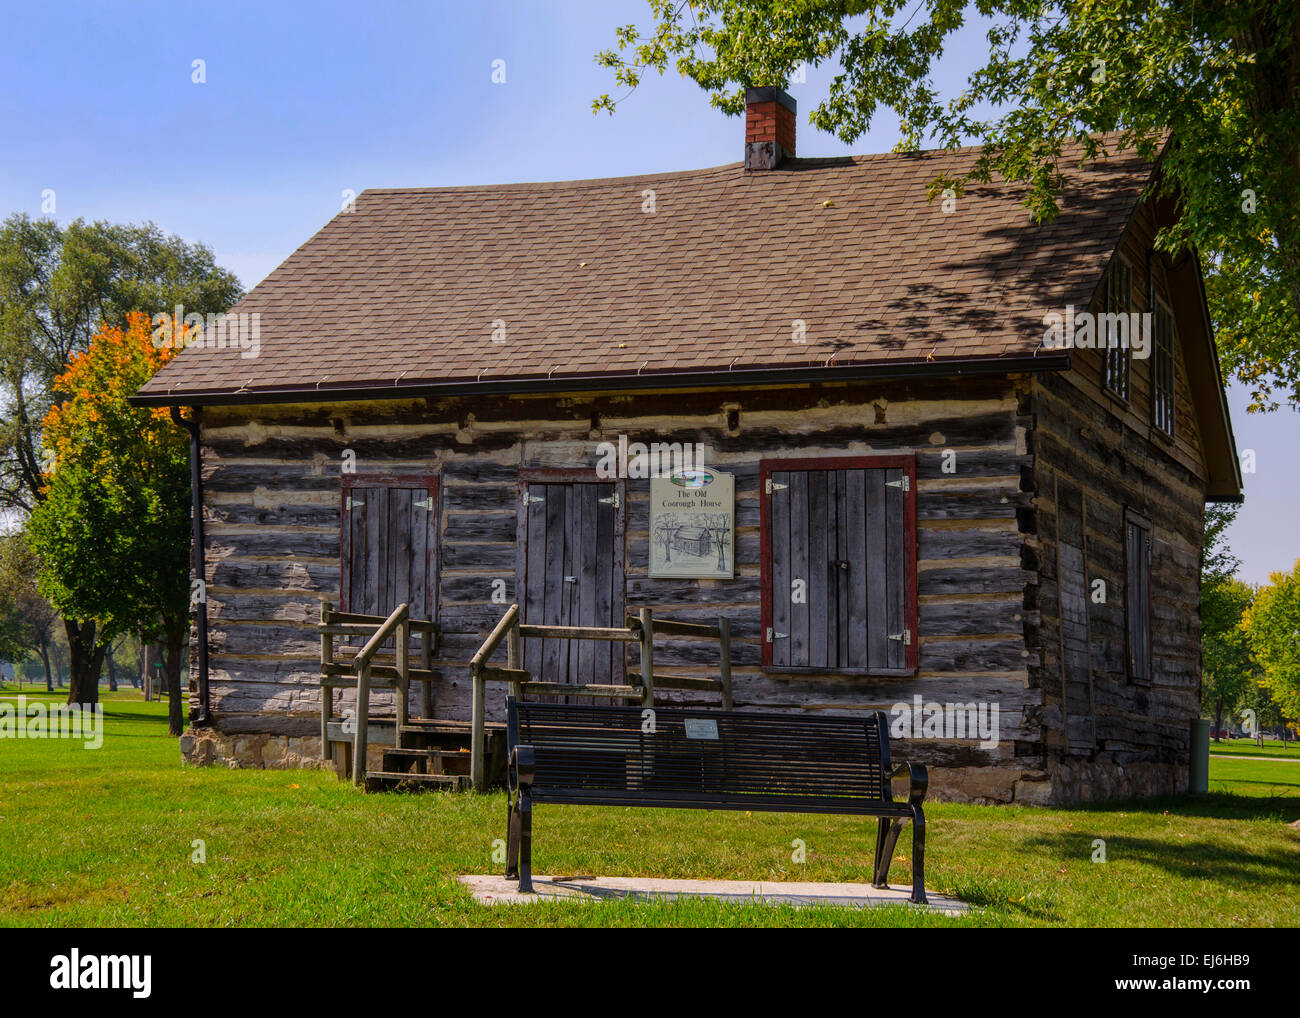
1214, 806
1188, 859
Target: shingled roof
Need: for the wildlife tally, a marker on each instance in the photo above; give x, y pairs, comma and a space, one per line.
566, 284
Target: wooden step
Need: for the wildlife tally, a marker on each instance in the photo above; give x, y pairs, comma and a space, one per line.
416, 753
400, 781
441, 726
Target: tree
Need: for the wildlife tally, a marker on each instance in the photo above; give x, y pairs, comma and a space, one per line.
1227, 669
1222, 80
112, 528
1272, 625
26, 618
58, 285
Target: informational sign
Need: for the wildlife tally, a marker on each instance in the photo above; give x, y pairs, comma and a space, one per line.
693, 524
701, 728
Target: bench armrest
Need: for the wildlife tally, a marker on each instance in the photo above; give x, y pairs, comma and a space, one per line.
522, 763
918, 777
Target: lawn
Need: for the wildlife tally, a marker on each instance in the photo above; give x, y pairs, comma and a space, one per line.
107, 837
1247, 747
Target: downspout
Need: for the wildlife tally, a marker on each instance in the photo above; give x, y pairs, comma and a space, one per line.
201, 715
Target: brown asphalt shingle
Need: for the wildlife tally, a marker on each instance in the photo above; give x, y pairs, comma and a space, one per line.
411, 281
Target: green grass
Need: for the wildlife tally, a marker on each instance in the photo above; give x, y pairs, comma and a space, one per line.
1247, 747
105, 838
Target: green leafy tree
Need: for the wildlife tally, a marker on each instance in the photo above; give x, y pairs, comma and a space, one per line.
1221, 79
26, 618
112, 528
1272, 625
58, 285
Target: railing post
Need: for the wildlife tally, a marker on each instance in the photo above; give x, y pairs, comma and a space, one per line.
477, 739
647, 658
426, 665
724, 672
363, 725
513, 650
403, 678
326, 692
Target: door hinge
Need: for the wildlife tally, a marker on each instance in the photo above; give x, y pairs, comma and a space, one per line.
426, 504
530, 498
905, 637
612, 500
772, 486
903, 482
772, 634
353, 503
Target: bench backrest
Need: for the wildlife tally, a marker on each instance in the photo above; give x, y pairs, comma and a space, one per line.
727, 759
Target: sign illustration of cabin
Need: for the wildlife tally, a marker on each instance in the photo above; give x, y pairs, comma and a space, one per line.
933, 495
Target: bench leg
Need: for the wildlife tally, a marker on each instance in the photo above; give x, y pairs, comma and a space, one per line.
918, 855
878, 879
886, 839
519, 846
512, 837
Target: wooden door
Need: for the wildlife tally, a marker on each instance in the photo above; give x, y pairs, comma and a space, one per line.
389, 545
570, 573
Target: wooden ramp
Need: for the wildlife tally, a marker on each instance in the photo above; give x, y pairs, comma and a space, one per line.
427, 752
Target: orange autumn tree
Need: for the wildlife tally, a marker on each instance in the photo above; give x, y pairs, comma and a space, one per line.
112, 529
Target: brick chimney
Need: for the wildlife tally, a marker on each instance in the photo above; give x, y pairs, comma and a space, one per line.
769, 128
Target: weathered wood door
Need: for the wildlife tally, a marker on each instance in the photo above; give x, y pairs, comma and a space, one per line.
570, 573
839, 562
389, 544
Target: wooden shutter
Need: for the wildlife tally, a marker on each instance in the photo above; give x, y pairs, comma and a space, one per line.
1137, 595
388, 546
1075, 636
839, 560
570, 573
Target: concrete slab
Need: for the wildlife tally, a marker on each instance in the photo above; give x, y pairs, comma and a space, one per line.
498, 890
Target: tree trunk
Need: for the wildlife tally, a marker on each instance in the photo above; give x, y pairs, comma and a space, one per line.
175, 639
1218, 720
45, 660
112, 671
85, 658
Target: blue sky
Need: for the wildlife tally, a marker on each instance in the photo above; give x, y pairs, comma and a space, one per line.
303, 101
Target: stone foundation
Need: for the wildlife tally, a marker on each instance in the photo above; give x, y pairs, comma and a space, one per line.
1099, 780
208, 747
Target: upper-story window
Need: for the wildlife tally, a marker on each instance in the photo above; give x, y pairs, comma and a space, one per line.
1116, 300
1162, 369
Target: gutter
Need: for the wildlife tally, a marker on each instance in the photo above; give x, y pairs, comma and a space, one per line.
617, 382
201, 715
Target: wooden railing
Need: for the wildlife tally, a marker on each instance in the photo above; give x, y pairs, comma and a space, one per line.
640, 629
379, 629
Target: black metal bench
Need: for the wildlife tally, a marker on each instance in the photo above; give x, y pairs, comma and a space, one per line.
684, 758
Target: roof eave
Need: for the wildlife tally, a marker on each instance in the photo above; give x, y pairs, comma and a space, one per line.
622, 381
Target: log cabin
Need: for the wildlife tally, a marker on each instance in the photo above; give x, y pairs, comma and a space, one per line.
934, 503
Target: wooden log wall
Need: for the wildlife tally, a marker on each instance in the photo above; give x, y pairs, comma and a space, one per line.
1094, 457
272, 477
